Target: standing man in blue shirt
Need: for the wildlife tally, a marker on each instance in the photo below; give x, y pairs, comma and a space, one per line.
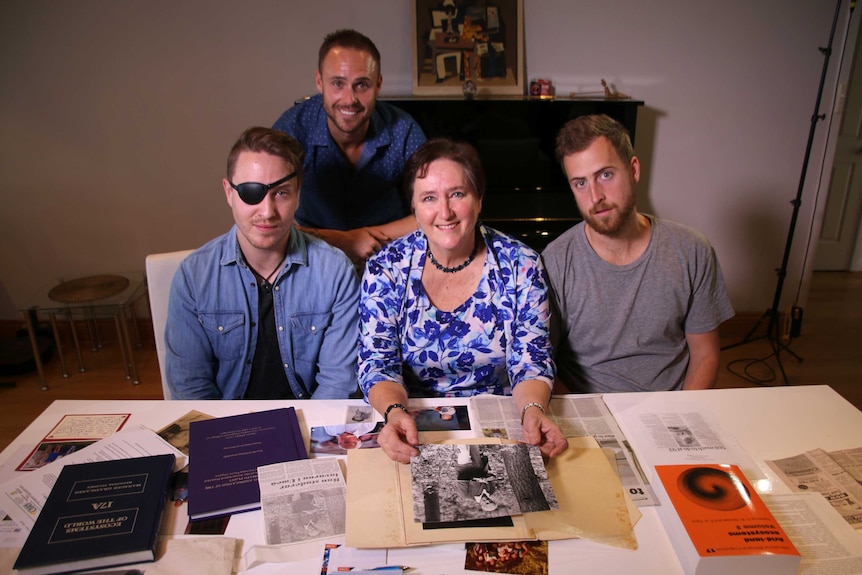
355, 150
264, 311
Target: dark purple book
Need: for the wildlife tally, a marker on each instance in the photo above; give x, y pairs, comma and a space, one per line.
225, 452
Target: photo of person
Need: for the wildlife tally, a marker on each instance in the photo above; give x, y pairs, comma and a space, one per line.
683, 436
338, 439
177, 432
441, 418
517, 557
177, 436
465, 483
474, 480
49, 452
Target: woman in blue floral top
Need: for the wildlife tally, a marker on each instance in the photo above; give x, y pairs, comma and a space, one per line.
474, 320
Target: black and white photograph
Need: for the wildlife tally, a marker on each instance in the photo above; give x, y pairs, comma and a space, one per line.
359, 413
460, 483
683, 436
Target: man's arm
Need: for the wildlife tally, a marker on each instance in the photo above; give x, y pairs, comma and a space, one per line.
703, 349
336, 376
397, 228
362, 243
189, 358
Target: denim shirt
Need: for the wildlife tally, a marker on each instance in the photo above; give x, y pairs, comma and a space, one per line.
335, 194
211, 331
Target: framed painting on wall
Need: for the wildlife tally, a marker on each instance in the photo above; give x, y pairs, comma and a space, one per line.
456, 41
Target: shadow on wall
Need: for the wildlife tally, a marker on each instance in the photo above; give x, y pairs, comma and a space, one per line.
645, 141
759, 232
7, 306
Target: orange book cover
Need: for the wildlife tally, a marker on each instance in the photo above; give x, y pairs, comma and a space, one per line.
722, 515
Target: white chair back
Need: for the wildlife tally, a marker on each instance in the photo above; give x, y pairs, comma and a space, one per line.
160, 273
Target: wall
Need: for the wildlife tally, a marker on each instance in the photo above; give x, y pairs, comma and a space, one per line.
116, 117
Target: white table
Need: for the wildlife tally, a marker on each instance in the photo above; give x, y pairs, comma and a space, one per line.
770, 423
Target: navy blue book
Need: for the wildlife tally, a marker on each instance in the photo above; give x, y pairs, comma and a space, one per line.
225, 452
99, 514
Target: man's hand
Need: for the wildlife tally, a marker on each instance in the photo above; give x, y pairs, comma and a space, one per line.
399, 437
541, 431
359, 244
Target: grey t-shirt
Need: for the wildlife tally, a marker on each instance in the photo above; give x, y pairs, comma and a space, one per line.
622, 328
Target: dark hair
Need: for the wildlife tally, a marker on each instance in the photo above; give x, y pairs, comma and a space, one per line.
577, 135
267, 141
461, 153
347, 38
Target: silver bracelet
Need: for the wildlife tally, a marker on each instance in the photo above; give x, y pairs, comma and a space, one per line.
528, 406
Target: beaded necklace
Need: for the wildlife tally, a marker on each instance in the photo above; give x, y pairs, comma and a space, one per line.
457, 268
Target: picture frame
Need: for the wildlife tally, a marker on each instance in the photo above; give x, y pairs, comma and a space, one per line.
468, 47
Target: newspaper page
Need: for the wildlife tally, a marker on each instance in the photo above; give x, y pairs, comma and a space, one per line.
816, 471
302, 500
577, 417
826, 543
677, 432
850, 460
22, 498
498, 416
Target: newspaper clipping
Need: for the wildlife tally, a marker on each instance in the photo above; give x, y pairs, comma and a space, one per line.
819, 471
302, 500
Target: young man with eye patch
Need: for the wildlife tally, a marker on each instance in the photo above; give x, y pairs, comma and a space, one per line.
356, 148
637, 300
264, 311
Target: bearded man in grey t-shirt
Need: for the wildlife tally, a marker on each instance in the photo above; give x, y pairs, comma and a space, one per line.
637, 299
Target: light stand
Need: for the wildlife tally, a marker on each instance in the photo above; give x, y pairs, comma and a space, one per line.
773, 334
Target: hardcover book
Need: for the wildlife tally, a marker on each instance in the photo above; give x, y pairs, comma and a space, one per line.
99, 514
718, 524
226, 452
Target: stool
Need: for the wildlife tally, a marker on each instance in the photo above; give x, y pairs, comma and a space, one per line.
88, 290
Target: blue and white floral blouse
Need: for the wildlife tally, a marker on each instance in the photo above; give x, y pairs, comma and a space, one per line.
489, 344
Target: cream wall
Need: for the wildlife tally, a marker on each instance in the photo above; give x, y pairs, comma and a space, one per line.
116, 117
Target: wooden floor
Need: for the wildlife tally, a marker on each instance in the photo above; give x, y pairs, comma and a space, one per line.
829, 347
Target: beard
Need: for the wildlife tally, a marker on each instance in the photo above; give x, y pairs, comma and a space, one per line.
610, 225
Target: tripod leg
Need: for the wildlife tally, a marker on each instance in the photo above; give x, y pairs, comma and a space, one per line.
750, 336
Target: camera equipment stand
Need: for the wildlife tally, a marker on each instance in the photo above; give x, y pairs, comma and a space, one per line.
773, 334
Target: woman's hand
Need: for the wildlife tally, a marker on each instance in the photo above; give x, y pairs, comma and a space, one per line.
532, 398
399, 437
540, 430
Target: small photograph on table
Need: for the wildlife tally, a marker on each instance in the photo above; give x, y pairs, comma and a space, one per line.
50, 451
209, 526
519, 557
72, 432
441, 418
359, 413
338, 439
177, 432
